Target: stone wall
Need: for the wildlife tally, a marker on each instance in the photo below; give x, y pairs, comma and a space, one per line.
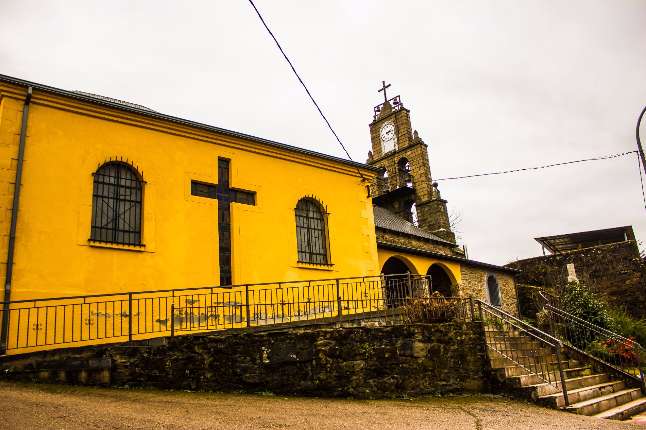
616, 272
474, 284
362, 362
414, 242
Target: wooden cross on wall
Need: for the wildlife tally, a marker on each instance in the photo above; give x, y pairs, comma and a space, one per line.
225, 195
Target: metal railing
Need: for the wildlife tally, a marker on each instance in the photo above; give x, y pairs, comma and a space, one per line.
107, 318
514, 342
621, 354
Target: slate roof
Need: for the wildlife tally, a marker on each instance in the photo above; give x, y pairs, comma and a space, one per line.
387, 220
115, 101
142, 110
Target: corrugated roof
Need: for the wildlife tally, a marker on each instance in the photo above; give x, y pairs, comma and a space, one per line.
586, 239
387, 220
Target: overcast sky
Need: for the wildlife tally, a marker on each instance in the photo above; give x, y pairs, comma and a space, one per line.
490, 84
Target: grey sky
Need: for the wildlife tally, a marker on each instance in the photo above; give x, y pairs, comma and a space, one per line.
490, 84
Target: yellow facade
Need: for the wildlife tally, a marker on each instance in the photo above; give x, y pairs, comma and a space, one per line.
419, 264
68, 139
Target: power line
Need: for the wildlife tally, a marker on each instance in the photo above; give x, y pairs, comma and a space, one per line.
524, 169
303, 84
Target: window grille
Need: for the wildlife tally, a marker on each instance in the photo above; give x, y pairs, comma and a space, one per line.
494, 291
311, 232
116, 205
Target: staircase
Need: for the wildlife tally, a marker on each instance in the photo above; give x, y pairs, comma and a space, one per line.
534, 365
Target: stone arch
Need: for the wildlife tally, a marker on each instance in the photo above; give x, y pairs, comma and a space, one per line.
442, 280
493, 291
397, 271
395, 264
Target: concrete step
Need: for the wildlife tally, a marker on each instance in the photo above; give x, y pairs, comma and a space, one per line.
511, 370
517, 351
624, 411
545, 389
600, 404
581, 394
553, 375
497, 361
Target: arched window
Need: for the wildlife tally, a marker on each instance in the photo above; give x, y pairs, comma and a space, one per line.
493, 290
403, 169
311, 234
116, 204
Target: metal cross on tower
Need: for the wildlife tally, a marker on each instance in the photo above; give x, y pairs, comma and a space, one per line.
225, 195
383, 88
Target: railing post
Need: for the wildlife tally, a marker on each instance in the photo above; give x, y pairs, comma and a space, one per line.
473, 315
410, 285
172, 320
562, 375
246, 293
339, 308
129, 317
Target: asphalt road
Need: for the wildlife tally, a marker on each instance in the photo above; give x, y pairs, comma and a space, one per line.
62, 407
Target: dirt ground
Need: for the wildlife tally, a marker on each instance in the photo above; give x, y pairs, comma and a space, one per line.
61, 407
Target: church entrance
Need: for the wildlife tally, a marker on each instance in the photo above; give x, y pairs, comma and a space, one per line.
396, 287
440, 280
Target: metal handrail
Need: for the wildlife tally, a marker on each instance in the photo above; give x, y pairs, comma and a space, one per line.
585, 323
538, 364
530, 327
207, 287
573, 321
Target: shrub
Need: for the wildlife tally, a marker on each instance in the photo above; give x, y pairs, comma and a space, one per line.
628, 326
435, 308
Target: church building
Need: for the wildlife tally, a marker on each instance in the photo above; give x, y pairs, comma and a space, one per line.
102, 196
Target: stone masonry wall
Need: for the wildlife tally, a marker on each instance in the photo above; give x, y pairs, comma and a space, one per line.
474, 284
362, 362
411, 241
615, 271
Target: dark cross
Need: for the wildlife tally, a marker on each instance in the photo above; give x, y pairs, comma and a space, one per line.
383, 88
225, 196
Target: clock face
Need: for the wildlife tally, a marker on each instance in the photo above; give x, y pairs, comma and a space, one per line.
388, 138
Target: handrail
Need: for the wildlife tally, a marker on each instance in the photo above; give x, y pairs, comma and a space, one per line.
507, 315
569, 327
592, 325
207, 287
528, 357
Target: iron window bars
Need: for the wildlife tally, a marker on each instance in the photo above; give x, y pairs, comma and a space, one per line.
116, 204
311, 232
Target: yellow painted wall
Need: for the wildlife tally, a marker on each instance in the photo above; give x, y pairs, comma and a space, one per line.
68, 140
420, 264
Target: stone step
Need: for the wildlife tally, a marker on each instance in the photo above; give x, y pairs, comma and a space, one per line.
511, 370
624, 411
581, 394
498, 361
571, 384
553, 375
600, 404
527, 350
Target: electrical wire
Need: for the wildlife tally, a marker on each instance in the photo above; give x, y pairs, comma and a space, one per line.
303, 84
546, 166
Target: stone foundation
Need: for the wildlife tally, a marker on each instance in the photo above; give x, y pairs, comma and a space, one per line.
362, 362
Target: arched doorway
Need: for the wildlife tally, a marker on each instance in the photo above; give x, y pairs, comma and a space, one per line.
440, 280
493, 290
397, 287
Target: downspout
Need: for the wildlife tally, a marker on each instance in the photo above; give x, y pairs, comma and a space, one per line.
14, 220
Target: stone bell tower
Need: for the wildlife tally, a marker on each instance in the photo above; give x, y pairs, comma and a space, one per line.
405, 186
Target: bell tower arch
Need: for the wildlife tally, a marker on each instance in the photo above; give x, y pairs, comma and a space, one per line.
405, 186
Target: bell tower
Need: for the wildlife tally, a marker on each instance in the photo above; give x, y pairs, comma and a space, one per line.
405, 186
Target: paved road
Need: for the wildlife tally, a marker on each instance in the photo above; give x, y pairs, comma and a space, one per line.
60, 407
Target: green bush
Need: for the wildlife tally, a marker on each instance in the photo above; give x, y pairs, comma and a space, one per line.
579, 301
627, 326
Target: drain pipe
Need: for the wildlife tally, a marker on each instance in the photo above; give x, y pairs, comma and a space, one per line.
4, 335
